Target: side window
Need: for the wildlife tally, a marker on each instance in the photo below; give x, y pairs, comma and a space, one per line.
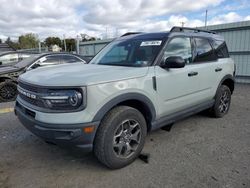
204, 51
8, 59
220, 49
180, 46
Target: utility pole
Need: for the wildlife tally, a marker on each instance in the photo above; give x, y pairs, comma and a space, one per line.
206, 20
65, 47
39, 47
78, 44
182, 24
106, 32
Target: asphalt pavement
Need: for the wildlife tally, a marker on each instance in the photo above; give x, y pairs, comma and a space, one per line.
199, 151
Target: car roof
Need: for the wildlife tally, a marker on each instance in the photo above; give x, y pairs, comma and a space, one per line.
163, 35
142, 36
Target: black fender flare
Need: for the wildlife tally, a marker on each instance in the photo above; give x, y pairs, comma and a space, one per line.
122, 98
228, 76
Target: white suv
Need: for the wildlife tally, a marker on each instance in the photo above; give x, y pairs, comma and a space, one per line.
138, 83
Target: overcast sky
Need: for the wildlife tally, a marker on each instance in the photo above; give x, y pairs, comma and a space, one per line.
95, 17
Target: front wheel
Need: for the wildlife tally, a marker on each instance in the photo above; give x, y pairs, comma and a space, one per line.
8, 91
120, 137
222, 102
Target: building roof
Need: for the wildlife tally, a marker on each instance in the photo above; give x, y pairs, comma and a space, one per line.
5, 47
229, 26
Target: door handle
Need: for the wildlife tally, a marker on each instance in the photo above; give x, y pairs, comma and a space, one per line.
218, 69
192, 74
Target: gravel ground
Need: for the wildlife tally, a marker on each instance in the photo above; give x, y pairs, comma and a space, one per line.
198, 152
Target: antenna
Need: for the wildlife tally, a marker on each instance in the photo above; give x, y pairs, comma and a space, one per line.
206, 20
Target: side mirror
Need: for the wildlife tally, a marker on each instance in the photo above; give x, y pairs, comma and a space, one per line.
173, 62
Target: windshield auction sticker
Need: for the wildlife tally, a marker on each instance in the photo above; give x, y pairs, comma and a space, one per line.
151, 43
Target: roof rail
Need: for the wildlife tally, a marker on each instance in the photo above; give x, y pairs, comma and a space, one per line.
183, 29
130, 33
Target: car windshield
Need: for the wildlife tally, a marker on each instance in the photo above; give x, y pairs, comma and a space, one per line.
136, 53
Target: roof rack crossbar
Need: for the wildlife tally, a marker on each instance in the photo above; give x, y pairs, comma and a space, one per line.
183, 29
130, 33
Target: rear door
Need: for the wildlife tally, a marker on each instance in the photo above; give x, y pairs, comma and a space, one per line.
208, 68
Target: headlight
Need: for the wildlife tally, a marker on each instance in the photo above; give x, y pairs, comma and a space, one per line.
67, 99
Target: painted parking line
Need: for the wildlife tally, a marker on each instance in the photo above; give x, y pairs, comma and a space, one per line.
6, 110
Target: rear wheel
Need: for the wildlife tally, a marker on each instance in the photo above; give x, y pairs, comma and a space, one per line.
222, 102
8, 91
120, 137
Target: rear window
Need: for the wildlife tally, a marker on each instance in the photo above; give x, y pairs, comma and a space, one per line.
220, 49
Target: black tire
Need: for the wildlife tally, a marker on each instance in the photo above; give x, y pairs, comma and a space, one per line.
107, 135
222, 102
8, 91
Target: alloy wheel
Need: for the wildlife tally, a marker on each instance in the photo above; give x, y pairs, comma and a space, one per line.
127, 138
224, 102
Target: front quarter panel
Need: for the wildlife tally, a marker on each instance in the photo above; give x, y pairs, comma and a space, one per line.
101, 94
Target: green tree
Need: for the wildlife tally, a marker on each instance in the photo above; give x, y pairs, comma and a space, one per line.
52, 41
86, 37
70, 45
29, 40
12, 44
0, 41
8, 40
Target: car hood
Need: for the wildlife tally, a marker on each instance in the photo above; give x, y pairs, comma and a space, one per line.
79, 74
8, 69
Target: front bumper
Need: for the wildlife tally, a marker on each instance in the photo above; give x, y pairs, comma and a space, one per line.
71, 135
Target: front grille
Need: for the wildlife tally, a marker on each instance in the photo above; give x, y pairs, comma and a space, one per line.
35, 102
33, 89
29, 100
28, 87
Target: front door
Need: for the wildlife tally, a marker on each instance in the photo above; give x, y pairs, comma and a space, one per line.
177, 88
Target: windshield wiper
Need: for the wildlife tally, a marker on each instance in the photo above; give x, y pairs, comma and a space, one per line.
124, 64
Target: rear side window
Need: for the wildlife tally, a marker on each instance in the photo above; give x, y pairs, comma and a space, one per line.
204, 51
220, 49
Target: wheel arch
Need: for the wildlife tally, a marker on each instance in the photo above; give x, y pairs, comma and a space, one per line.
229, 81
4, 78
135, 100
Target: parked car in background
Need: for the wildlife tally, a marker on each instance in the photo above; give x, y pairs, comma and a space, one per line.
11, 58
9, 74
